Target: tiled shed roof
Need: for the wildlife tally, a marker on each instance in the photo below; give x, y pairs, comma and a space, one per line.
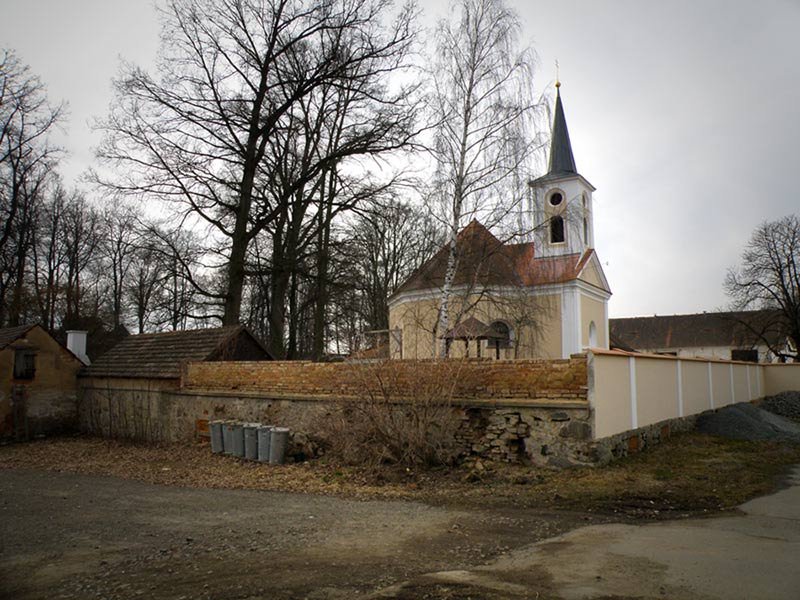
11, 334
160, 355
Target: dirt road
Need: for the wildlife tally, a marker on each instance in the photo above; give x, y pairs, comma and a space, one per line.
87, 536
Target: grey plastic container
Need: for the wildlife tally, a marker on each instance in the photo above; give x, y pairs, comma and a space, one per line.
237, 439
217, 442
227, 436
277, 445
264, 436
250, 441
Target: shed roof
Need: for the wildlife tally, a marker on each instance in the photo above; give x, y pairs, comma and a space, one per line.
160, 355
9, 335
713, 329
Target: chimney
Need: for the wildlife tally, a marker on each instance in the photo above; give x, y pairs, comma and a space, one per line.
76, 343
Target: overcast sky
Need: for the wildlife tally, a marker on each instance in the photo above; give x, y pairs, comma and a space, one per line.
685, 115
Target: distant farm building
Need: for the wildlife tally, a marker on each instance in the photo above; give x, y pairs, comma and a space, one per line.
754, 336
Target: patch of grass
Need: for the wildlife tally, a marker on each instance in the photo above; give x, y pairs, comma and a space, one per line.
688, 475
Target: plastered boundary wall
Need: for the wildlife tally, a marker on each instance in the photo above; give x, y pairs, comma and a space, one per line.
629, 391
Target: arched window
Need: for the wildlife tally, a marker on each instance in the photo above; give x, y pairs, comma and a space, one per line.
592, 335
585, 231
556, 230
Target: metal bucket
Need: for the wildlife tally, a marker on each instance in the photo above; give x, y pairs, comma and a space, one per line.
227, 436
250, 440
237, 439
277, 445
217, 445
264, 437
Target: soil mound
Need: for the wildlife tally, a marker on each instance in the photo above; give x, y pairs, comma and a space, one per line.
748, 422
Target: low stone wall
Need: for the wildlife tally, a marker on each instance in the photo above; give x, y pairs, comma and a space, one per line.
517, 411
528, 411
542, 436
545, 435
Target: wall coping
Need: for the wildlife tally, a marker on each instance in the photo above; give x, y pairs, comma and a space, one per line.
625, 353
489, 402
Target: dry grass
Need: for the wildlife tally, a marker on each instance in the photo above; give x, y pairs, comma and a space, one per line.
690, 474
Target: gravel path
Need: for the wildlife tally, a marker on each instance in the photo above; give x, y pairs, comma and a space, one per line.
68, 536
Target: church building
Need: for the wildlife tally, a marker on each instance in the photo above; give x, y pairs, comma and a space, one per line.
546, 298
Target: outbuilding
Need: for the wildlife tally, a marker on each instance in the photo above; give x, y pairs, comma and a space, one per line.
38, 385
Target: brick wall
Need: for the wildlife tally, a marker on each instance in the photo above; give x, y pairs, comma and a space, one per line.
472, 379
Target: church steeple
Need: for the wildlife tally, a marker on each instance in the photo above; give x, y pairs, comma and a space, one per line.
561, 160
561, 200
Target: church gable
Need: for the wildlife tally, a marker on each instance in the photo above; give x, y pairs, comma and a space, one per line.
592, 273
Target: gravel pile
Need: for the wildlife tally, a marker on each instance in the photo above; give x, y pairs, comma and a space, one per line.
748, 422
785, 404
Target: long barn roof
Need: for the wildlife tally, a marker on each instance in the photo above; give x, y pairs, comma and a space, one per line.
161, 355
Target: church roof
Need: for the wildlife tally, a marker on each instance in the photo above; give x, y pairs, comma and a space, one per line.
485, 261
561, 159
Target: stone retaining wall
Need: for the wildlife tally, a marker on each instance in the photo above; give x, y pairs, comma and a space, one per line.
525, 411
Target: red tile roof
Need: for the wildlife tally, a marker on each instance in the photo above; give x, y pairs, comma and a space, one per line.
484, 260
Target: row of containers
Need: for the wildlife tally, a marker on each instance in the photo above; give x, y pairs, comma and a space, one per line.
253, 441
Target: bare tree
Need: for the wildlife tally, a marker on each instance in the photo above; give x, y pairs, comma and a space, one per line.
230, 78
387, 243
81, 224
117, 246
769, 278
484, 108
27, 159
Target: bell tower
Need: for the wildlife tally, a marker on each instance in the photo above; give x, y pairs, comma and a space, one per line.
562, 198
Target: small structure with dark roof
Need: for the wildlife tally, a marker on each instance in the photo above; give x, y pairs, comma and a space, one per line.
160, 356
38, 385
549, 293
756, 336
135, 389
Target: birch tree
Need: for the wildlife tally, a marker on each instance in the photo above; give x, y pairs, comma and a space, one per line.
484, 110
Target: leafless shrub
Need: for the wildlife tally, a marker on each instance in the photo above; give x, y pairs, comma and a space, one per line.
403, 414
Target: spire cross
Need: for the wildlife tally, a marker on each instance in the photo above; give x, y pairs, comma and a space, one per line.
558, 83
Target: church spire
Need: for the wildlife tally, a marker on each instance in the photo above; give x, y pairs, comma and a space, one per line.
561, 159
